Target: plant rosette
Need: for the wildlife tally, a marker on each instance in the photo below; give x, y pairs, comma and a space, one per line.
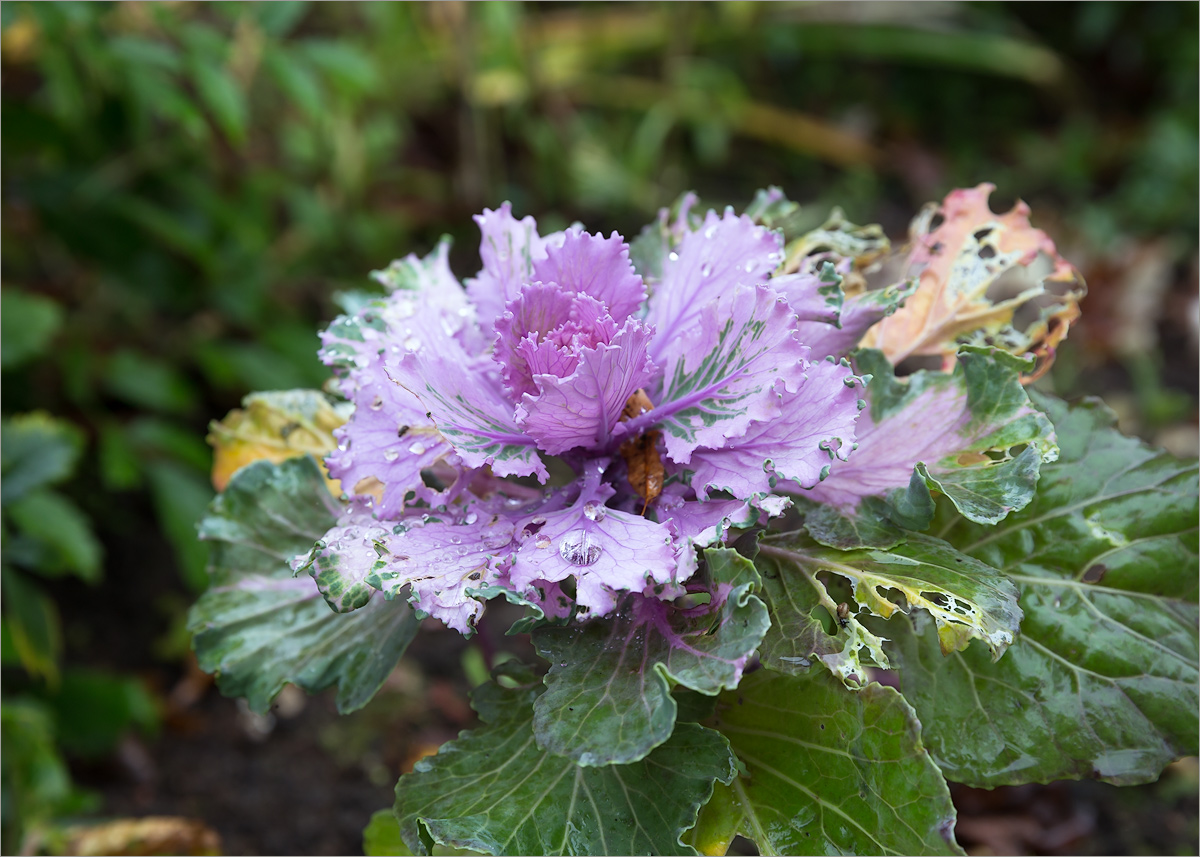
700, 466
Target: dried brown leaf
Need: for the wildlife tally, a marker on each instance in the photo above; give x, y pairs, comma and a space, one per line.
984, 278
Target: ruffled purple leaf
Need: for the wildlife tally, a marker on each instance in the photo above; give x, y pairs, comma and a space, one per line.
730, 368
440, 557
606, 550
721, 254
816, 424
386, 444
472, 414
708, 522
508, 248
596, 266
858, 314
583, 408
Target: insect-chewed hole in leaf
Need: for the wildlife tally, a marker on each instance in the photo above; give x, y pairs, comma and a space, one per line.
895, 596
838, 587
936, 598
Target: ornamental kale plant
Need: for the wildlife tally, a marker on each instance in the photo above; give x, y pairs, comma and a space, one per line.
785, 581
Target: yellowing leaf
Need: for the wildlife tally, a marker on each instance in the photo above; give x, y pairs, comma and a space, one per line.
276, 426
984, 279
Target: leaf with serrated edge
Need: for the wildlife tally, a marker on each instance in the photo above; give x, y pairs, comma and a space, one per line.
494, 790
608, 693
258, 627
828, 771
1102, 681
967, 599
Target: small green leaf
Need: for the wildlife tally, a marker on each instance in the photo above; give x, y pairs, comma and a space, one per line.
493, 790
66, 536
381, 837
259, 627
968, 600
608, 693
828, 771
223, 96
149, 382
32, 624
35, 450
1102, 681
93, 710
181, 496
28, 323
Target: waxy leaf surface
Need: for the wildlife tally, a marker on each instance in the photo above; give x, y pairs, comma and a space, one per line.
258, 627
1102, 680
828, 771
494, 790
608, 693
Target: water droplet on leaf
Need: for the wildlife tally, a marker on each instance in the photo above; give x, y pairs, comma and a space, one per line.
594, 511
578, 547
417, 448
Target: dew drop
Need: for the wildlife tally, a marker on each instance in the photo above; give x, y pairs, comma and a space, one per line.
391, 455
542, 542
412, 343
710, 231
377, 404
749, 267
705, 269
673, 256
594, 511
471, 518
417, 448
578, 547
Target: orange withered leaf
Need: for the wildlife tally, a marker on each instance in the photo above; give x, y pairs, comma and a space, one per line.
984, 279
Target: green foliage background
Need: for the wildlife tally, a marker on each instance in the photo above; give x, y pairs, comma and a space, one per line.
185, 186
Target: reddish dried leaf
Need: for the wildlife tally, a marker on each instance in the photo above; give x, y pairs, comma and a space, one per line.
976, 270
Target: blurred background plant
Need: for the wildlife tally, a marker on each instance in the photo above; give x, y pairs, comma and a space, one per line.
186, 186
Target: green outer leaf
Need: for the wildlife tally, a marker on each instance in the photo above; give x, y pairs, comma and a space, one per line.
968, 599
29, 322
494, 790
829, 771
63, 530
1102, 681
259, 627
608, 693
801, 607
